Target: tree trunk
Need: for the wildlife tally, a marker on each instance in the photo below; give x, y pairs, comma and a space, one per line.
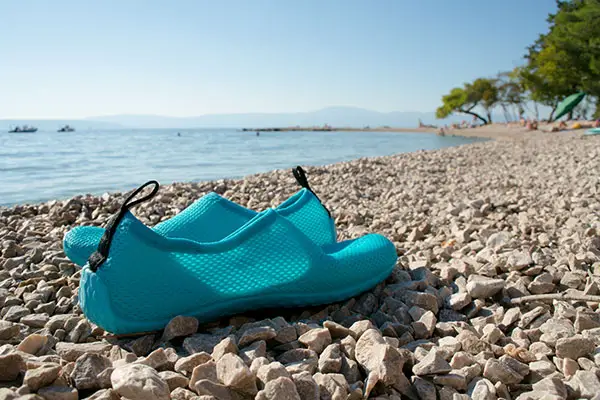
475, 115
489, 115
570, 116
551, 117
506, 113
537, 111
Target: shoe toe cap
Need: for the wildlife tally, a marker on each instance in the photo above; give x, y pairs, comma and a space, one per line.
370, 255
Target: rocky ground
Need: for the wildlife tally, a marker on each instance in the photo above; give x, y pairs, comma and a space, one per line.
478, 228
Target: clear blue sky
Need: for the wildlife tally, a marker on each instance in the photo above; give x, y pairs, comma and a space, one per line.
77, 58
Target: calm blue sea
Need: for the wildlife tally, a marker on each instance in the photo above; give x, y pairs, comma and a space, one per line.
41, 166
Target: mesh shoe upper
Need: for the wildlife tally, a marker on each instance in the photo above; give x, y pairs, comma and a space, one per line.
212, 218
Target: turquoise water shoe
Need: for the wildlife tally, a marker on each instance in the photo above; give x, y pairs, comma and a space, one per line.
213, 217
266, 262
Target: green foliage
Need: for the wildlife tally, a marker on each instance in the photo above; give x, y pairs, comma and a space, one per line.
482, 92
567, 58
562, 61
511, 93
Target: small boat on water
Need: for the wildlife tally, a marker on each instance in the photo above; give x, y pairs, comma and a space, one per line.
23, 129
66, 128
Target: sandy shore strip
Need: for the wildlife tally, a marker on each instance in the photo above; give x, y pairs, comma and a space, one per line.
479, 229
495, 131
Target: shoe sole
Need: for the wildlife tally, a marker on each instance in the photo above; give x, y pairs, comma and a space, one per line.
245, 304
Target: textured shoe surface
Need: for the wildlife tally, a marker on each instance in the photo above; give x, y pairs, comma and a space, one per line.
211, 218
267, 262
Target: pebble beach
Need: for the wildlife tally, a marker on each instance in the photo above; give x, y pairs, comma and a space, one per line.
495, 294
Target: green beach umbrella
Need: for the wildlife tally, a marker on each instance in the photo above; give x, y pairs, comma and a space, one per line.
568, 104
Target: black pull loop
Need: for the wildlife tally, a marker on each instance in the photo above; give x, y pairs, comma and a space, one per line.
100, 255
302, 180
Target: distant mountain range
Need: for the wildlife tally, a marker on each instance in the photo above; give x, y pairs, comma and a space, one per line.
334, 116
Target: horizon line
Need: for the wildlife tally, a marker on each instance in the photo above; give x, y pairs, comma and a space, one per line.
211, 114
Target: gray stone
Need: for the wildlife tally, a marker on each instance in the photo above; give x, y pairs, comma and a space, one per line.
511, 316
330, 361
180, 326
281, 388
424, 327
158, 359
254, 351
333, 386
360, 327
202, 342
41, 376
234, 373
541, 369
449, 343
206, 371
588, 382
256, 333
458, 301
517, 366
58, 393
316, 339
519, 260
496, 371
306, 386
481, 287
141, 346
425, 389
483, 390
226, 345
585, 321
10, 366
72, 351
209, 388
270, 372
574, 347
187, 364
139, 382
286, 333
184, 394
433, 363
529, 316
376, 356
8, 330
350, 370
174, 380
7, 394
456, 381
15, 313
87, 369
498, 240
336, 330
551, 385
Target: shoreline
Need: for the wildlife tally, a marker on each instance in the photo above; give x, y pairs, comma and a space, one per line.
339, 129
498, 132
478, 228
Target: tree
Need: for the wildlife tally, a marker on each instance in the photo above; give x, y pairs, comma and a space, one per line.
487, 92
482, 92
511, 93
566, 59
540, 90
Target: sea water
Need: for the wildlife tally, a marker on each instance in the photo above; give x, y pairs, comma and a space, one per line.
42, 166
